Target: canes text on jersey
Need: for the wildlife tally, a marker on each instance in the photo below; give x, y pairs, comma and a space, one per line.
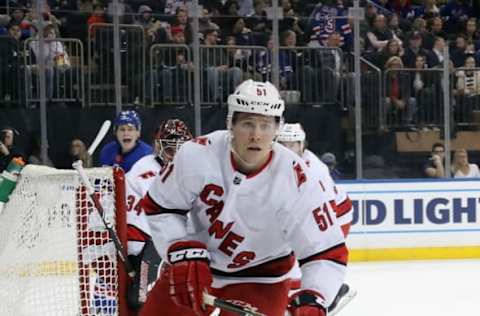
220, 230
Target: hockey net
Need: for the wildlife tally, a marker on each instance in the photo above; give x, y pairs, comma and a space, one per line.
56, 257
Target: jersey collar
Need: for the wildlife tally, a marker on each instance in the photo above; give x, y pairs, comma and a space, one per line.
253, 173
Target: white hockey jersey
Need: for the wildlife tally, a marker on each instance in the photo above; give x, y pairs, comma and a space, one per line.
138, 180
343, 205
250, 224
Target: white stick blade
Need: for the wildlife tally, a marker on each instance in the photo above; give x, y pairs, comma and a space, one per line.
100, 135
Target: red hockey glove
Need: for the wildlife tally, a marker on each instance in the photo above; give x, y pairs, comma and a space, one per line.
189, 274
307, 303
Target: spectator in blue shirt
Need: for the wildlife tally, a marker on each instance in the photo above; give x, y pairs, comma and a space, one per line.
331, 161
127, 147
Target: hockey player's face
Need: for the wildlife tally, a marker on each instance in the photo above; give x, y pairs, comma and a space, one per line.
253, 135
296, 147
127, 136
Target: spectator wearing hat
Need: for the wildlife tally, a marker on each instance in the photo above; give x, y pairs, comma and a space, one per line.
331, 161
414, 48
144, 17
156, 31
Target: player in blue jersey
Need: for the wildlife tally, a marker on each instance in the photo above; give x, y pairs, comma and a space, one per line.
127, 147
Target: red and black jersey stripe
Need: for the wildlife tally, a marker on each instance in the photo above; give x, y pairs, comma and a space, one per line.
150, 207
274, 268
344, 207
136, 234
337, 254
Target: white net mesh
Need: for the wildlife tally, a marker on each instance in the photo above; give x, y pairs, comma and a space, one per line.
55, 255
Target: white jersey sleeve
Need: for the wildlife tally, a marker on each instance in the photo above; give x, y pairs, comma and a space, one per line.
344, 206
138, 180
171, 196
317, 240
342, 203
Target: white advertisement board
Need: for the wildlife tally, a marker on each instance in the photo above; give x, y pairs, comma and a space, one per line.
410, 214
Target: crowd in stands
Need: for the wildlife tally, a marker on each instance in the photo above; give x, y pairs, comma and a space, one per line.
404, 39
392, 28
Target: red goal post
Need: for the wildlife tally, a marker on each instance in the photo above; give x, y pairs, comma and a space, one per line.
56, 257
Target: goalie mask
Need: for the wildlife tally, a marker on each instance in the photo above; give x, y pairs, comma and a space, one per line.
169, 137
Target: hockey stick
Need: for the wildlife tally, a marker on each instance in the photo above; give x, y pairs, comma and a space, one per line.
100, 135
345, 300
229, 306
122, 254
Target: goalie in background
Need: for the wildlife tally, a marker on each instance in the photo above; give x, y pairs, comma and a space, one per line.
127, 148
168, 138
229, 212
293, 137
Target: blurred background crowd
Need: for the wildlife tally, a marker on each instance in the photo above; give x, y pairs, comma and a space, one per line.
407, 47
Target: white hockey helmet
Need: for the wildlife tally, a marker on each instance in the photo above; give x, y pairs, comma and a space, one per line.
255, 97
292, 132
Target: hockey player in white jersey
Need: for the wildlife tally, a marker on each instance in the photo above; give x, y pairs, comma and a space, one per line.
168, 137
252, 205
293, 137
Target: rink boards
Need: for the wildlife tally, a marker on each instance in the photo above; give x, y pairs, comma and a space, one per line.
414, 219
